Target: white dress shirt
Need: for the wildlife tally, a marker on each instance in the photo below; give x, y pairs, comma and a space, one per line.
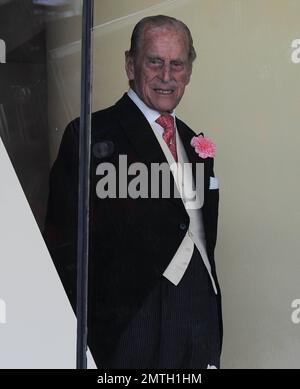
184, 179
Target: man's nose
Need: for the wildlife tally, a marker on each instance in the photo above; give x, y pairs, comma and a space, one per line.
166, 73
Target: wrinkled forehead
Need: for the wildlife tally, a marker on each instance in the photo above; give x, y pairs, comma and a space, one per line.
152, 35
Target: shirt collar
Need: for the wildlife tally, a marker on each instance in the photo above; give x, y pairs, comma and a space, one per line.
150, 114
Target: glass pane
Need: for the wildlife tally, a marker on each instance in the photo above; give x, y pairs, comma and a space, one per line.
244, 94
39, 95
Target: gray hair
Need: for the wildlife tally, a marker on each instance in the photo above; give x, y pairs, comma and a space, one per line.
160, 21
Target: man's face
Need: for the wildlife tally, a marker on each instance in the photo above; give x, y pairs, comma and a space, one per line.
161, 70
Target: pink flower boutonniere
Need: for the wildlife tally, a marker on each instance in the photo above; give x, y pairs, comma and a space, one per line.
204, 147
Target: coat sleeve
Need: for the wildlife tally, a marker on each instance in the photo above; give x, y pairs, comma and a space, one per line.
60, 231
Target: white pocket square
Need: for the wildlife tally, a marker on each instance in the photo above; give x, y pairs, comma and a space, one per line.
213, 183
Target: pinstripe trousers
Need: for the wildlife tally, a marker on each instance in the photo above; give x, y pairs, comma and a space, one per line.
176, 328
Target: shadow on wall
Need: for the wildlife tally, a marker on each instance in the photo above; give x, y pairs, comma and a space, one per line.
23, 94
23, 100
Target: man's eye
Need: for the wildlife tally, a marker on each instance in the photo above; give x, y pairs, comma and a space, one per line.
177, 65
155, 61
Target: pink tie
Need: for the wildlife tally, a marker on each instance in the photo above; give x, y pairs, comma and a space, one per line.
169, 135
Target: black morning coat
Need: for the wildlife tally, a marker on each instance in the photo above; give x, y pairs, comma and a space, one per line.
132, 241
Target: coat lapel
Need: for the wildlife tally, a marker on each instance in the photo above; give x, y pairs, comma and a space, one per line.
186, 137
139, 132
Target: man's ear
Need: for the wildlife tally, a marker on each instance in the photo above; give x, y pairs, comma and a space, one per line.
129, 66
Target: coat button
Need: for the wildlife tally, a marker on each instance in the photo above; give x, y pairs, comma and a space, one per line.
183, 226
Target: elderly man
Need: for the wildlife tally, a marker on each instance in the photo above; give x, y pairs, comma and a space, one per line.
154, 299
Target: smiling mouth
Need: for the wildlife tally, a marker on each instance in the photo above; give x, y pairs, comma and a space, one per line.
164, 91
